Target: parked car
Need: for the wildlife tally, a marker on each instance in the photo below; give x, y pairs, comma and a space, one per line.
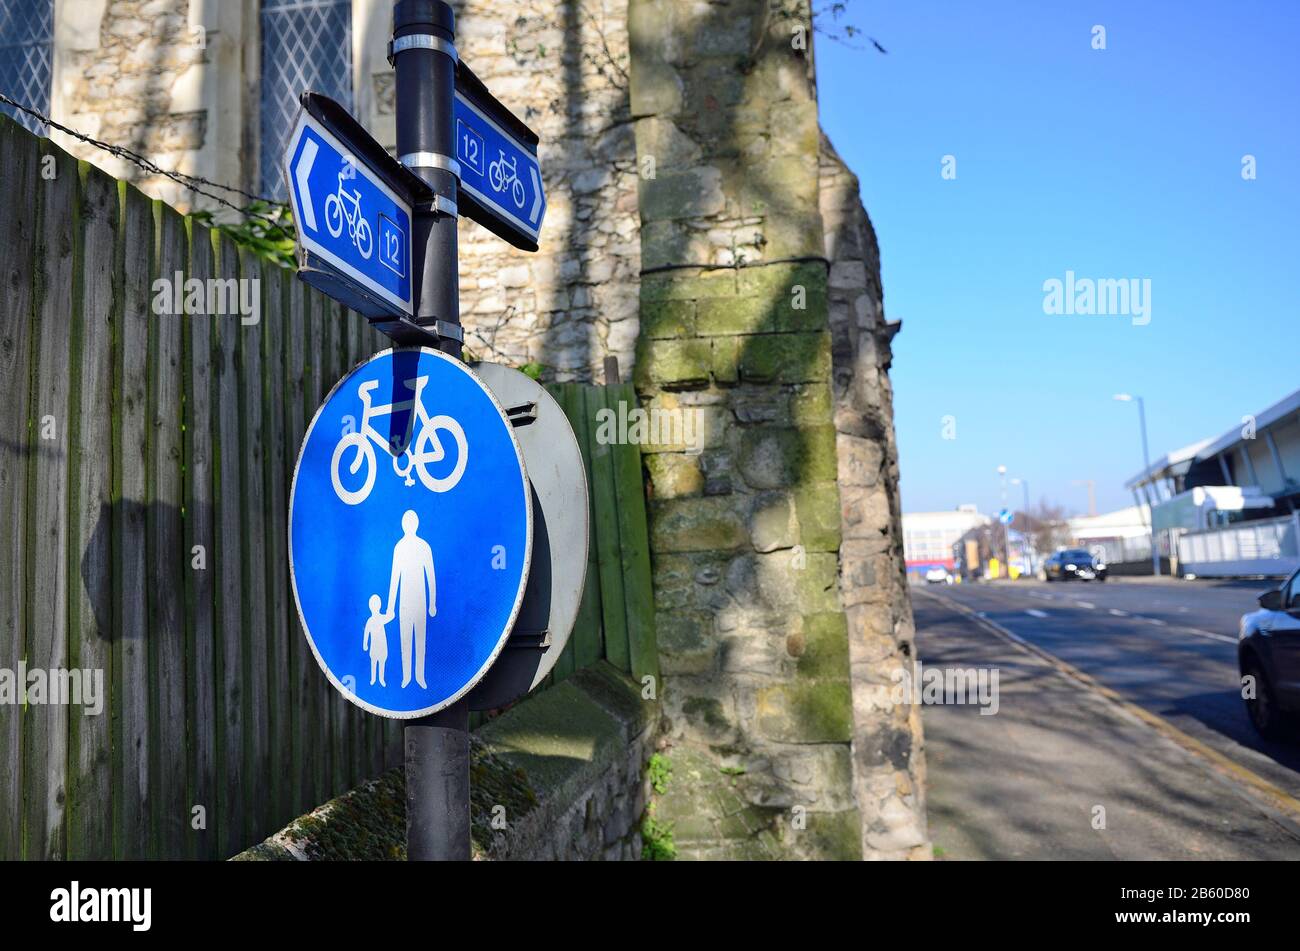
1268, 651
1073, 563
937, 575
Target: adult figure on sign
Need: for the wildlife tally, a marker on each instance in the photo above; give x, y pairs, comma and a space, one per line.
412, 568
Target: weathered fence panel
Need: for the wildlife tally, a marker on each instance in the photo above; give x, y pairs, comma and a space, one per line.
165, 552
95, 294
275, 298
45, 732
132, 805
144, 495
200, 549
18, 242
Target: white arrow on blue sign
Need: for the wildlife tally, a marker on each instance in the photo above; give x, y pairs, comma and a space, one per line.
410, 532
498, 170
347, 216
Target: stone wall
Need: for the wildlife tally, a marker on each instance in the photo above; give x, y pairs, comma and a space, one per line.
746, 533
163, 78
561, 776
562, 68
888, 766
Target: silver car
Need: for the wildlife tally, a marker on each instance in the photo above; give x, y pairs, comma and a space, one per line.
1268, 652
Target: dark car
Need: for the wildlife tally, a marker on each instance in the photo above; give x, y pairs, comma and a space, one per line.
1268, 653
1074, 564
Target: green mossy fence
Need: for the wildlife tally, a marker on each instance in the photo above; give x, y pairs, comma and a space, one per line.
144, 477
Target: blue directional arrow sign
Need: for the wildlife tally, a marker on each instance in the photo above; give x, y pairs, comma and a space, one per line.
1005, 516
500, 178
349, 217
410, 532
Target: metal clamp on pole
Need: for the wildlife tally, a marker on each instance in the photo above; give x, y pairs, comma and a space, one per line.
439, 205
430, 160
421, 41
450, 331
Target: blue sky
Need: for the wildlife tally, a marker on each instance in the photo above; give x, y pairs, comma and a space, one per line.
1116, 163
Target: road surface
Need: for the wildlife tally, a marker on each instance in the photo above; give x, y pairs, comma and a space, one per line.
1028, 781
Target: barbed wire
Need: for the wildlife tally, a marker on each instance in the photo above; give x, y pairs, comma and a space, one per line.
197, 183
194, 183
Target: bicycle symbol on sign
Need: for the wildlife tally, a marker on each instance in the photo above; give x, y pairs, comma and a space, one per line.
497, 175
424, 449
341, 207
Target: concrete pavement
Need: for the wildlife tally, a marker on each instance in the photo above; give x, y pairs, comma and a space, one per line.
1058, 760
1170, 648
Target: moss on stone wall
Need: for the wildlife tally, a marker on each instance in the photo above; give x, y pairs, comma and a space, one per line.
563, 766
368, 823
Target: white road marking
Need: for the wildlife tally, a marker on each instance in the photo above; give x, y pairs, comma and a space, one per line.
1118, 613
1085, 604
1210, 634
1032, 612
1156, 621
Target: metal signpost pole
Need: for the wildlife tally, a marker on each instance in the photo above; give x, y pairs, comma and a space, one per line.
1146, 461
424, 58
378, 234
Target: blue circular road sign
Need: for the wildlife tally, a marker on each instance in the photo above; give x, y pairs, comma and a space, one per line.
410, 532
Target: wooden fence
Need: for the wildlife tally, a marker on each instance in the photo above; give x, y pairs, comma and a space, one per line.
144, 479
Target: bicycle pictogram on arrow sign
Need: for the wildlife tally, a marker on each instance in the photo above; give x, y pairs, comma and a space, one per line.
348, 216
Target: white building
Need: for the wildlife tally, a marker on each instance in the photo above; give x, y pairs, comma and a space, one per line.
929, 537
1119, 536
1231, 505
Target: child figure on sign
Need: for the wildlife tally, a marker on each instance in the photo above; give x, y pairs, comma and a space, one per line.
375, 640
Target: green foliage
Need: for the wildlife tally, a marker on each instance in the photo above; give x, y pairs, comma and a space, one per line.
267, 229
732, 770
532, 370
657, 840
660, 770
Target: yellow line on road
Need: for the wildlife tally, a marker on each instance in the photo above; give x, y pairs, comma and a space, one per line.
1255, 784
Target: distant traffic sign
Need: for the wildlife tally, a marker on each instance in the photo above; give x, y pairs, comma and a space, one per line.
349, 215
1005, 516
500, 177
410, 532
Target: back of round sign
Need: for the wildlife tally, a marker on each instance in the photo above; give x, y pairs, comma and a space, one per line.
561, 533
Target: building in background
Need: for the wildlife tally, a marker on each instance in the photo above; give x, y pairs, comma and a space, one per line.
929, 537
206, 88
1117, 537
1228, 505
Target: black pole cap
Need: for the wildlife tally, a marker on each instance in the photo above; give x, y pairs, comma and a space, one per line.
424, 16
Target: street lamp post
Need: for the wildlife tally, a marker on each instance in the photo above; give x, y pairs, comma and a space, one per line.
1024, 485
1146, 462
1006, 529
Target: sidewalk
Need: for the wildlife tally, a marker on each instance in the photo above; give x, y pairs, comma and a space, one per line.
1031, 781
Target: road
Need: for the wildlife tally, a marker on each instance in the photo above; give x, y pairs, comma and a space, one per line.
1026, 782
